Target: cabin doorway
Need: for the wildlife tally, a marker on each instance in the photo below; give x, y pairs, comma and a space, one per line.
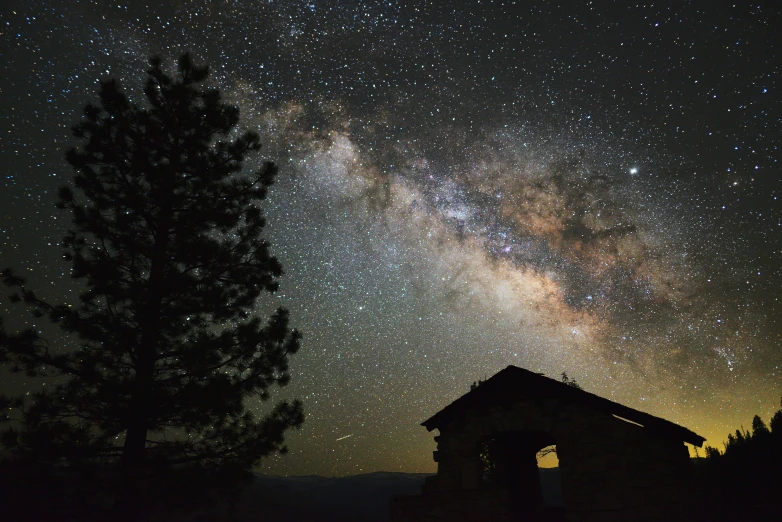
510, 461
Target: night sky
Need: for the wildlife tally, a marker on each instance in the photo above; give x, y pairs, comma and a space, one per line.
588, 187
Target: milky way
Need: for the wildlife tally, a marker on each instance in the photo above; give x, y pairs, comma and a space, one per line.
587, 187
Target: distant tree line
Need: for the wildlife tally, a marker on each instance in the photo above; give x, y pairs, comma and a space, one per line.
743, 480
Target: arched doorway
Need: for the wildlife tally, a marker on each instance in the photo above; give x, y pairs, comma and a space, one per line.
509, 462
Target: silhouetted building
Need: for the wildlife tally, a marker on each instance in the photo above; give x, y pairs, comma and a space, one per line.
616, 463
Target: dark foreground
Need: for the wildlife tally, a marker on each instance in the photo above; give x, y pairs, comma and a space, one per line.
358, 498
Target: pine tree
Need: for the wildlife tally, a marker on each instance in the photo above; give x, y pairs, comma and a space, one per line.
759, 428
712, 452
775, 424
167, 240
731, 443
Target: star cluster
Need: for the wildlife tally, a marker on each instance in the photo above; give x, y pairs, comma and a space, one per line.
581, 186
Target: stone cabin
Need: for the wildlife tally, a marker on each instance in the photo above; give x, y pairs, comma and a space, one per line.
616, 463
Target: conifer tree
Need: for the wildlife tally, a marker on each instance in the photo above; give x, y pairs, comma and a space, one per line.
775, 424
759, 428
712, 452
166, 239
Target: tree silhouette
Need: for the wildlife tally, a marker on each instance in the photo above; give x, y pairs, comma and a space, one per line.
759, 428
775, 424
477, 383
167, 239
570, 382
712, 452
742, 482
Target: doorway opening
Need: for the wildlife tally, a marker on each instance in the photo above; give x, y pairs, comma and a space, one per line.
550, 477
510, 461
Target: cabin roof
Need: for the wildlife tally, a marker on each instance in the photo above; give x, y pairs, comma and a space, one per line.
514, 384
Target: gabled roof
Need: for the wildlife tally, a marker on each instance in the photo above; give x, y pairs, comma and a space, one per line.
514, 384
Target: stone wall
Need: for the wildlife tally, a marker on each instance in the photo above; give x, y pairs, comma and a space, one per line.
612, 470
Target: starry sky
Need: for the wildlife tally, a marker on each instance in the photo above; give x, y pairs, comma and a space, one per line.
582, 186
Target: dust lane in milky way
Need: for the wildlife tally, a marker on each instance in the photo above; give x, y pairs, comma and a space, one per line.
588, 187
